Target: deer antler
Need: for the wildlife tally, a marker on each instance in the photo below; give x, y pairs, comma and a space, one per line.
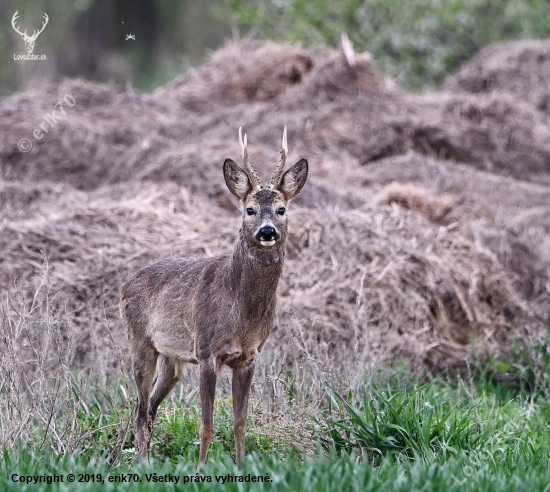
13, 19
252, 174
24, 35
276, 176
44, 23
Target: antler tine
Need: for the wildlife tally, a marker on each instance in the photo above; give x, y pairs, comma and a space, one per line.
13, 19
276, 176
44, 24
252, 174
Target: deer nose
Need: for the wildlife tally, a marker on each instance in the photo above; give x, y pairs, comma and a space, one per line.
268, 233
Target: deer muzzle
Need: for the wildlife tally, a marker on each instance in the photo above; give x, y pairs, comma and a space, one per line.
267, 236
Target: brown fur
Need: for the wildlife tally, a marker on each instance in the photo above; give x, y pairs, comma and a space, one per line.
209, 311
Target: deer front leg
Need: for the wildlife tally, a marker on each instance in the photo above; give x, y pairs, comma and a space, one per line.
208, 377
242, 380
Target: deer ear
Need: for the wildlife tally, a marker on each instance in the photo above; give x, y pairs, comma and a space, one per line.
293, 180
236, 179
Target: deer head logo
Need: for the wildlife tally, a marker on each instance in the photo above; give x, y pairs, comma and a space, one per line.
29, 40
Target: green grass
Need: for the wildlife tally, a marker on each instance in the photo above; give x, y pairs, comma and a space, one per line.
431, 420
401, 435
177, 435
318, 473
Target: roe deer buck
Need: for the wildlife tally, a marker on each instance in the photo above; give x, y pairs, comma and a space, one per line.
212, 311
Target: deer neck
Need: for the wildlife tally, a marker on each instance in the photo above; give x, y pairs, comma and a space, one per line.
256, 272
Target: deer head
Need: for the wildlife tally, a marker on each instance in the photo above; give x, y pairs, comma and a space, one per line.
29, 40
264, 207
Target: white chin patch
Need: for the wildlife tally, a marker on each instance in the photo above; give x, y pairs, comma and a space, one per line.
267, 244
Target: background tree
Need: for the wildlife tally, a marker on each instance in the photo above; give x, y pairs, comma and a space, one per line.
87, 38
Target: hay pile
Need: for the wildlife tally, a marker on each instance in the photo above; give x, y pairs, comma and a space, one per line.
509, 217
520, 68
244, 72
387, 284
422, 234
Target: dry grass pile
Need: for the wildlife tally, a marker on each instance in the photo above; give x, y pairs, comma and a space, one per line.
241, 72
373, 285
96, 141
368, 285
496, 133
332, 108
448, 260
412, 197
509, 217
520, 68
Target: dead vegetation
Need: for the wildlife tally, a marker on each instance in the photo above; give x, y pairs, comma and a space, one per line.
242, 72
520, 68
413, 197
423, 234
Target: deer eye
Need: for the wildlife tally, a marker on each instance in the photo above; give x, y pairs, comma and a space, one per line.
281, 210
250, 211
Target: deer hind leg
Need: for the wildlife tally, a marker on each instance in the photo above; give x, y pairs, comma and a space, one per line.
242, 380
169, 372
144, 364
208, 377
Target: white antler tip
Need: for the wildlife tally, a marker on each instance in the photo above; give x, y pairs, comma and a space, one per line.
285, 145
241, 141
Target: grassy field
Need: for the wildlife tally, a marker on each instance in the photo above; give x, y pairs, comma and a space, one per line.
399, 434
